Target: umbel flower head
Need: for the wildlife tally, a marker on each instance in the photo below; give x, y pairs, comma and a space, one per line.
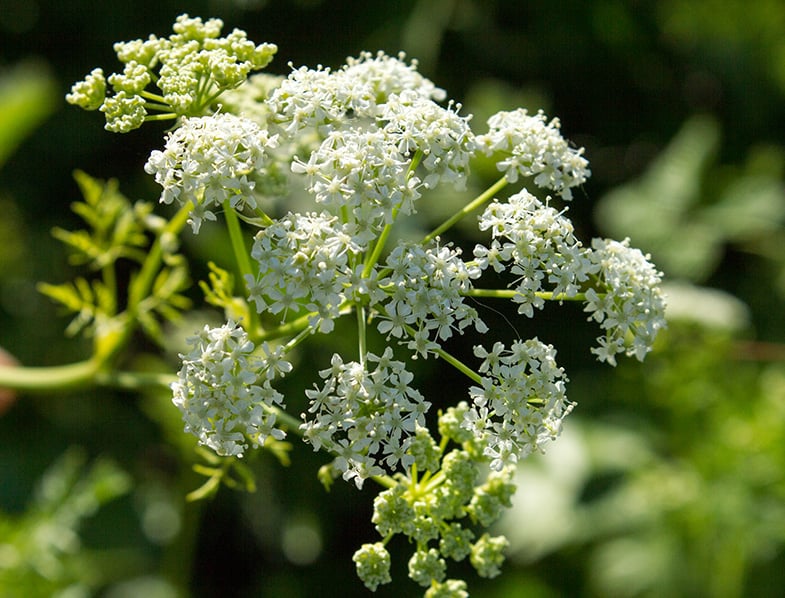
209, 160
224, 390
325, 164
366, 142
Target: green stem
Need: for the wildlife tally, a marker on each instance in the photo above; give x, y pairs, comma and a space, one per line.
453, 361
361, 333
241, 255
165, 108
110, 283
263, 215
303, 322
292, 423
154, 117
75, 376
57, 378
486, 196
458, 365
141, 285
512, 293
133, 380
373, 257
385, 480
154, 97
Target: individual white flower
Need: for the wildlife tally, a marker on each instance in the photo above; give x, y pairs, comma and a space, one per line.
531, 146
211, 159
537, 244
628, 303
522, 401
224, 390
365, 416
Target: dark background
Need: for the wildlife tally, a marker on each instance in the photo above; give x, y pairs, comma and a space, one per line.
623, 77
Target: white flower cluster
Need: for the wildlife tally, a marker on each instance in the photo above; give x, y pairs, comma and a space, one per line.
536, 243
632, 309
426, 288
521, 403
315, 98
365, 417
365, 141
540, 243
386, 99
445, 139
359, 171
89, 94
208, 160
224, 390
533, 147
306, 262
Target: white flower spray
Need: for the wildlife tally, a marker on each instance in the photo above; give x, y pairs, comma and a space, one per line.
366, 143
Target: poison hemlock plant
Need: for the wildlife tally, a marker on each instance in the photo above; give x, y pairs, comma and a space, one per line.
366, 143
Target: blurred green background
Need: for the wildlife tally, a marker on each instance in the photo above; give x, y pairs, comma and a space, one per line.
670, 477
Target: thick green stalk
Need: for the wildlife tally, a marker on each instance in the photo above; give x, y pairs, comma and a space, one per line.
58, 378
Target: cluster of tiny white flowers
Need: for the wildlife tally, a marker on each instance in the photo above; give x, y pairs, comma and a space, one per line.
208, 160
539, 242
224, 390
531, 146
370, 94
89, 94
323, 99
416, 123
359, 172
365, 417
426, 288
521, 403
305, 262
631, 311
372, 76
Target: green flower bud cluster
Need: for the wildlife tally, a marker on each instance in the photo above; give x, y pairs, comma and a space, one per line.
437, 510
191, 69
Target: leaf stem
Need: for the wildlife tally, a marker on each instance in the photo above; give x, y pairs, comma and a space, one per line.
241, 255
484, 197
512, 293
